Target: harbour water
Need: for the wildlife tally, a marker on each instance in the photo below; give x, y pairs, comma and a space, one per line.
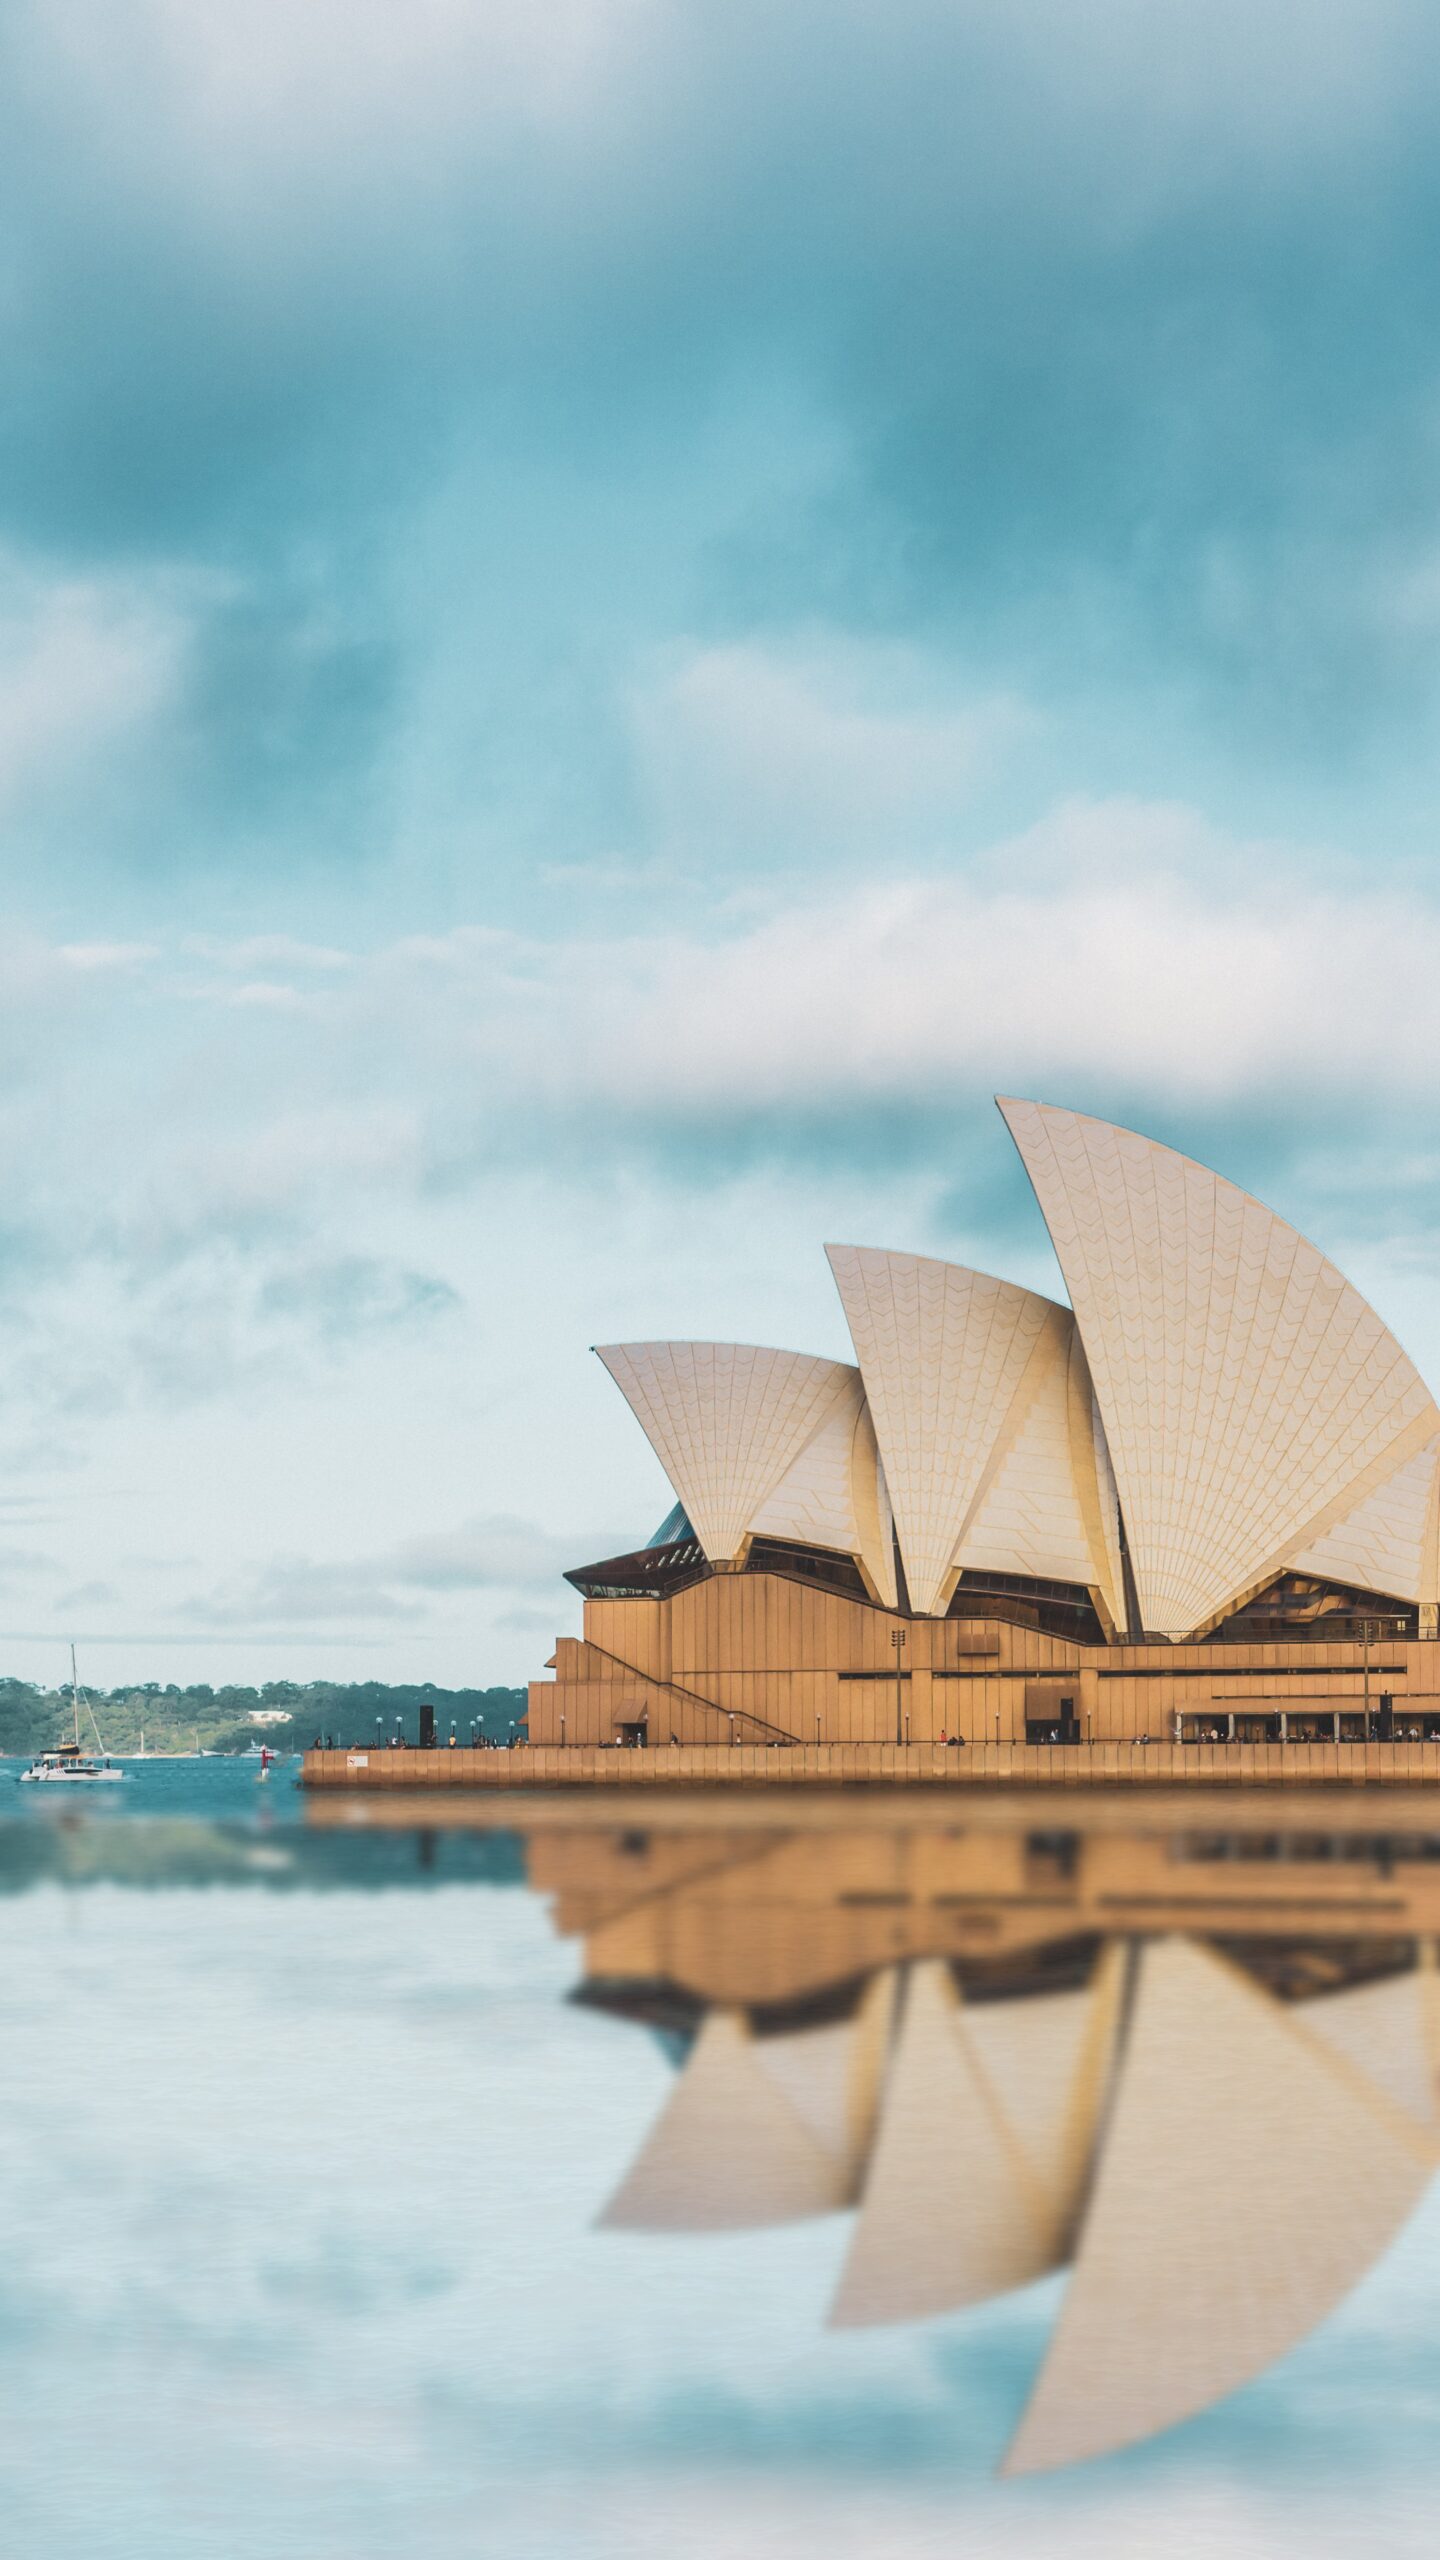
320, 2135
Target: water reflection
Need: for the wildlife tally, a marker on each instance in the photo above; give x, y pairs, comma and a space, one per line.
1188, 2057
1197, 2069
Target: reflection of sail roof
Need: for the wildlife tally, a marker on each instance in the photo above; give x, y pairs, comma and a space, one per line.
727, 1421
729, 2151
1247, 2179
1250, 1397
1390, 2031
832, 2077
952, 1362
963, 2197
1043, 2058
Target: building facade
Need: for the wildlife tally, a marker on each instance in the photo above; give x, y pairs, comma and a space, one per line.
1201, 1502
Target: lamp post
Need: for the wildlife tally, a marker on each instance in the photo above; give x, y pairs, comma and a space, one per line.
1368, 1630
897, 1638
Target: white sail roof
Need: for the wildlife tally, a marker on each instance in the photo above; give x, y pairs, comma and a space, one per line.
830, 1497
952, 1361
730, 2151
1247, 2179
1387, 1543
1047, 1507
1250, 1397
952, 2210
727, 1421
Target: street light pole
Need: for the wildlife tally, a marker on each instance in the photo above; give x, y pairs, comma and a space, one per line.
897, 1638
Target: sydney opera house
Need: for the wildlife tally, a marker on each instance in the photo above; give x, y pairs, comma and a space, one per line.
1200, 1503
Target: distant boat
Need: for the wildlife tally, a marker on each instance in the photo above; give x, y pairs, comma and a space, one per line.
68, 1765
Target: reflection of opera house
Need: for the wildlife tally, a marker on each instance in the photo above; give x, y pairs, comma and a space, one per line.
1198, 2069
1199, 1504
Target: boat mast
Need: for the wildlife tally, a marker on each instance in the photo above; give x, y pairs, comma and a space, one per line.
75, 1696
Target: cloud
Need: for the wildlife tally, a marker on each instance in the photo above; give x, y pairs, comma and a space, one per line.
528, 1622
1093, 362
494, 1552
90, 957
86, 1595
355, 1295
291, 1591
84, 663
268, 951
1125, 957
19, 1564
489, 1550
825, 745
1262, 1007
279, 1155
205, 1321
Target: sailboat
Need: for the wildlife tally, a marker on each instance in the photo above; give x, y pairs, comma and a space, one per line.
68, 1765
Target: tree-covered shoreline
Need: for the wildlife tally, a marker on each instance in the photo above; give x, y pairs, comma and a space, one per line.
292, 1713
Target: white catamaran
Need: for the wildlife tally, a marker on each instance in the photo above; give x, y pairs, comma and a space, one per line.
68, 1765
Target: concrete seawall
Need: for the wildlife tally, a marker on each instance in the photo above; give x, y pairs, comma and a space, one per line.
869, 1764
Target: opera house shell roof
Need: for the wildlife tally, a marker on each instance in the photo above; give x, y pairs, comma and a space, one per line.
1216, 1407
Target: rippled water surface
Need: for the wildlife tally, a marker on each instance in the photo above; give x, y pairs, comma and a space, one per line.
310, 2130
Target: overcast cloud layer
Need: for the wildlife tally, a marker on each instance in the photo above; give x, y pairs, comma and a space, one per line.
609, 619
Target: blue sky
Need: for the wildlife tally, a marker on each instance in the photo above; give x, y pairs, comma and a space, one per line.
609, 619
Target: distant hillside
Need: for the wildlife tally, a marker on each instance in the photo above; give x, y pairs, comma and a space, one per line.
175, 1719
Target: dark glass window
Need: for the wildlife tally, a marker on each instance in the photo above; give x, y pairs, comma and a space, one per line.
1299, 1605
1055, 1608
829, 1572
